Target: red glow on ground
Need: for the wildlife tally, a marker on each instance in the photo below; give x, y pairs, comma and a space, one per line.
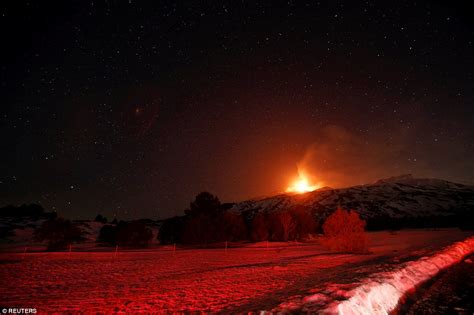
237, 280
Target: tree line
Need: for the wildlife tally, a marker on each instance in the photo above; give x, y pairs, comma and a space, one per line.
208, 221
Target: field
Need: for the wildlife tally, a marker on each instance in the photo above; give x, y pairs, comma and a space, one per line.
251, 278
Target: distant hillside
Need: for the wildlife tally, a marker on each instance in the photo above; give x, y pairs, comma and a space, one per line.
401, 201
393, 203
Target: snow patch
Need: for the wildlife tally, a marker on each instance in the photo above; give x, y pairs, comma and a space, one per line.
381, 294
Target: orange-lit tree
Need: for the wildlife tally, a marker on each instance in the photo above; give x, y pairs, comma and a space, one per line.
345, 231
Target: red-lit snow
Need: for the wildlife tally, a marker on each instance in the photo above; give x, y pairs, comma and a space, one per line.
381, 292
253, 278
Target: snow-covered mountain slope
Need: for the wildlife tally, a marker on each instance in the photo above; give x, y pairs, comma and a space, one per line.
396, 197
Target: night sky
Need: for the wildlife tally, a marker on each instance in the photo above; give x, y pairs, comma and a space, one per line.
131, 110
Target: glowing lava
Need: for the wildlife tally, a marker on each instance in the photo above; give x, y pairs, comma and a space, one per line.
301, 185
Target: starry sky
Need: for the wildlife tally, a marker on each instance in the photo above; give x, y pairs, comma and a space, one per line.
130, 110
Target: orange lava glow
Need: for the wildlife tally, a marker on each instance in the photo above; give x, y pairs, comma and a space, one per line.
302, 185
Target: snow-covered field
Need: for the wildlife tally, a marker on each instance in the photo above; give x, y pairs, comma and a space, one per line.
244, 279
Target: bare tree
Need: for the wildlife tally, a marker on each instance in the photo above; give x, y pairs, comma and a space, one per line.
288, 224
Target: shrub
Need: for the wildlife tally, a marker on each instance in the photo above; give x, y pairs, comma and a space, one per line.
345, 231
107, 235
171, 230
134, 234
59, 233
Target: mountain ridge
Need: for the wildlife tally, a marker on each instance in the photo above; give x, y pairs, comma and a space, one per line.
396, 198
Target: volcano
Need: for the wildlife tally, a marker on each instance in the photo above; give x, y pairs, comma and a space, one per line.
395, 202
